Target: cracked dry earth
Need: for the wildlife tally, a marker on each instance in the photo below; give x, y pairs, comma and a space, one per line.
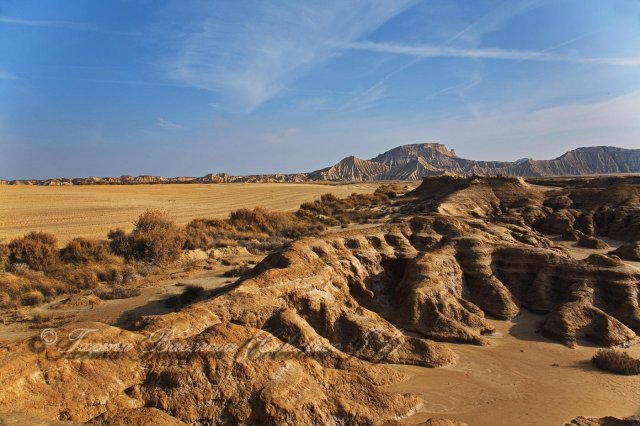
457, 310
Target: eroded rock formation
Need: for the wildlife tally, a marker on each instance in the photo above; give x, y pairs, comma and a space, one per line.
303, 338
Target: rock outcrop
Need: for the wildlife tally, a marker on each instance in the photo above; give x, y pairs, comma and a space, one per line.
628, 252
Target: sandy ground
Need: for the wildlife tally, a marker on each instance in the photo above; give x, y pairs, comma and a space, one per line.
91, 211
522, 378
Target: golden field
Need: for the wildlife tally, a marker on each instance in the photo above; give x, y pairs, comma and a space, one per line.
91, 211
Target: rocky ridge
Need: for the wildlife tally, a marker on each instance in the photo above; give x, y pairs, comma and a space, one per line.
406, 162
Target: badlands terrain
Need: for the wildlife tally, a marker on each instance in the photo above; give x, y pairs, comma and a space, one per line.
475, 299
91, 211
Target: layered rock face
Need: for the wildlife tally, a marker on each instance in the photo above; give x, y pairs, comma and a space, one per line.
412, 162
303, 338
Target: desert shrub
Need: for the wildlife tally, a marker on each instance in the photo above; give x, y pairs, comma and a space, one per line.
261, 221
146, 269
616, 361
4, 256
82, 279
333, 211
119, 242
155, 239
18, 284
237, 271
32, 297
389, 190
36, 249
6, 301
82, 250
190, 294
255, 246
117, 275
197, 235
117, 292
29, 287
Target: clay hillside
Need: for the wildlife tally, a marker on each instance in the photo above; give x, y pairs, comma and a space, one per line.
406, 162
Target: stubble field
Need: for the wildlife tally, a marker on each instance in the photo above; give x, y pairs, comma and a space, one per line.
91, 211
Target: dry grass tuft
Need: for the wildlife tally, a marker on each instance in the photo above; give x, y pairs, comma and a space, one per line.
616, 361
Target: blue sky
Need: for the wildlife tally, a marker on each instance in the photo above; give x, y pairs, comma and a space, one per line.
179, 87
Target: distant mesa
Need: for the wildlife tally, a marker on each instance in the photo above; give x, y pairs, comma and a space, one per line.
412, 162
405, 162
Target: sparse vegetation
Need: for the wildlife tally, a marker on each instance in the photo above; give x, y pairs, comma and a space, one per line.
260, 230
616, 361
118, 292
34, 270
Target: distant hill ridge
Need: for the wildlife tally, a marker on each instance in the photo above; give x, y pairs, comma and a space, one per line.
405, 162
411, 162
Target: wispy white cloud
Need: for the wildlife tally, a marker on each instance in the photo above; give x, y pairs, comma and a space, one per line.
65, 25
494, 20
7, 76
365, 99
168, 125
47, 24
434, 51
251, 54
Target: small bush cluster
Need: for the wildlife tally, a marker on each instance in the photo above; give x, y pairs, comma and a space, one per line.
36, 249
154, 239
333, 211
82, 250
190, 294
33, 270
238, 271
260, 230
256, 227
118, 292
616, 361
